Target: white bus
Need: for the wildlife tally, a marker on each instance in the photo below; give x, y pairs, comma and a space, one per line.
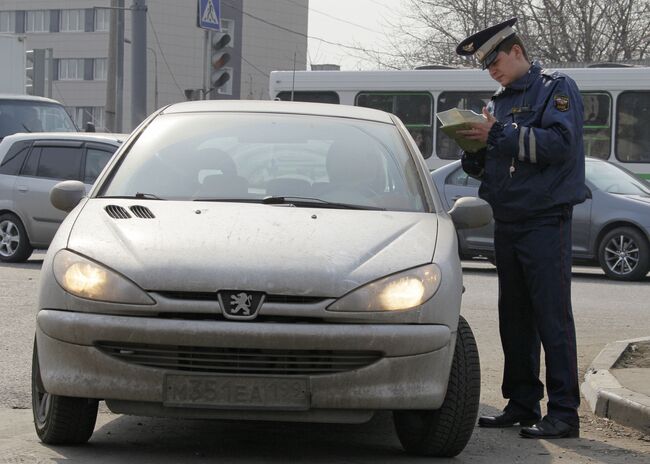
616, 101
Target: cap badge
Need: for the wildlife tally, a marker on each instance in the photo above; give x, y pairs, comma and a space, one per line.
469, 47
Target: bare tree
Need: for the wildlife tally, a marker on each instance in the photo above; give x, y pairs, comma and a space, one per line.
554, 31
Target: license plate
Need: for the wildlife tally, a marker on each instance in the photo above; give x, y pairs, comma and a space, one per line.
239, 392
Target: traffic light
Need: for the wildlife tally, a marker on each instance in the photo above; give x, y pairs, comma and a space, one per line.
220, 75
35, 72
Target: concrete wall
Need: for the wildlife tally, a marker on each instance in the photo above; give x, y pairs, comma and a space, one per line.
267, 47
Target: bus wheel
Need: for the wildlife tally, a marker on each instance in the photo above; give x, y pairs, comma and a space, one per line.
624, 254
444, 432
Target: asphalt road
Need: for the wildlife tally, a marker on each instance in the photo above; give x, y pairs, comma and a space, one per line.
605, 311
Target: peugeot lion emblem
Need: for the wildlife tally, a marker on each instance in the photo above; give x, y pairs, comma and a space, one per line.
240, 305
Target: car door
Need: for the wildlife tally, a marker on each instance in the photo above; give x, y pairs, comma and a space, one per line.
48, 163
472, 241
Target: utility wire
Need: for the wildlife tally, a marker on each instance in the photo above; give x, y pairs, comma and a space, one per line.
155, 34
334, 17
286, 29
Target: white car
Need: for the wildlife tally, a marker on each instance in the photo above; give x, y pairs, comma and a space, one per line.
259, 260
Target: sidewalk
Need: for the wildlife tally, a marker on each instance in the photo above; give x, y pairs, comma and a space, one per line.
617, 384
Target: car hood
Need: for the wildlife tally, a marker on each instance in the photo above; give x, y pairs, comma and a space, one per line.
282, 250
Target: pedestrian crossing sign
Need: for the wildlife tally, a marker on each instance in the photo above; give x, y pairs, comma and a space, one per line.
209, 16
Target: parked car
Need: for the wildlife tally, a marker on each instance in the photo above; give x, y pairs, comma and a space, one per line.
611, 228
259, 260
30, 165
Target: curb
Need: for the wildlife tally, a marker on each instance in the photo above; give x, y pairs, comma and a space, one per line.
608, 398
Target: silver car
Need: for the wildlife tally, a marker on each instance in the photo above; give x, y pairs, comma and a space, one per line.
259, 260
30, 165
611, 228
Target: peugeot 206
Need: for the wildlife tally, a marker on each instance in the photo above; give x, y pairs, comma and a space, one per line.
265, 261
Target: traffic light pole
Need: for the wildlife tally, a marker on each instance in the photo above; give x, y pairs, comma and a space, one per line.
139, 62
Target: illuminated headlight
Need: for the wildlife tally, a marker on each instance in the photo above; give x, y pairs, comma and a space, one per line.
87, 279
398, 292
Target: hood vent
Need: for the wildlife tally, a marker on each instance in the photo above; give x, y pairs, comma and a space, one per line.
117, 212
142, 212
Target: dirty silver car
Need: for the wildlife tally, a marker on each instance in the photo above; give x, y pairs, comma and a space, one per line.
264, 261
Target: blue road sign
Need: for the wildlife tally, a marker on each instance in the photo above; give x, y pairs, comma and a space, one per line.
209, 15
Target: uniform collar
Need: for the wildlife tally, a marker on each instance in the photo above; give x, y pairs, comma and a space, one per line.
524, 81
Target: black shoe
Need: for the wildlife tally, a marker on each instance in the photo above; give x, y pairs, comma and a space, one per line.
549, 427
508, 418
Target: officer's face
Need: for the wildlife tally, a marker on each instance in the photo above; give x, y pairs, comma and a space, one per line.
504, 69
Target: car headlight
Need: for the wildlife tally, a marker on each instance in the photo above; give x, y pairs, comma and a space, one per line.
87, 279
397, 292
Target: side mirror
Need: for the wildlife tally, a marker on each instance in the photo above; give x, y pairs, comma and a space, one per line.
67, 194
470, 213
90, 127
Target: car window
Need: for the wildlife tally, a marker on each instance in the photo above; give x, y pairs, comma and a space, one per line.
250, 156
33, 116
31, 165
612, 179
14, 158
60, 163
96, 159
460, 178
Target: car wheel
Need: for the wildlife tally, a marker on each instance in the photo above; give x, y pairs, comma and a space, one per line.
624, 254
14, 243
60, 420
445, 432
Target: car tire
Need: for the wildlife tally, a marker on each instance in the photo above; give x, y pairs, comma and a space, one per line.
444, 432
14, 242
624, 254
60, 420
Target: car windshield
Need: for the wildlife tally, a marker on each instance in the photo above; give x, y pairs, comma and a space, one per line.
317, 161
612, 179
33, 116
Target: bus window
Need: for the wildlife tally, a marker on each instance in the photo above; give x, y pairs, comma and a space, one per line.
310, 97
413, 108
446, 148
597, 124
632, 122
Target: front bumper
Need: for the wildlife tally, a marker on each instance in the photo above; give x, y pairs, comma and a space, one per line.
411, 373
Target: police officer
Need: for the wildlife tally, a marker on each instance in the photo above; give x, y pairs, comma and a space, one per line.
532, 173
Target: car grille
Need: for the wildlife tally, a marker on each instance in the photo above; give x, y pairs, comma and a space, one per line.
240, 360
212, 296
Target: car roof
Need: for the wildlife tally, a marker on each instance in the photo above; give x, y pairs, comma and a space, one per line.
80, 136
34, 98
262, 106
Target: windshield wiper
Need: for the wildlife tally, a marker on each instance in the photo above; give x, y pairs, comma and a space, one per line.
314, 203
139, 195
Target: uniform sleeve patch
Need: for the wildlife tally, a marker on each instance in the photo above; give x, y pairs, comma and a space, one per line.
561, 102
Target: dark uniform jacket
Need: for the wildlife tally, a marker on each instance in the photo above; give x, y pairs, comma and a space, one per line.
534, 162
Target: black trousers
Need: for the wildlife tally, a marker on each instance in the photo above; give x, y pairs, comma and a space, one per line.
534, 266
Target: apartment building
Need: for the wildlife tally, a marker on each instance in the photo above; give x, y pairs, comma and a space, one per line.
266, 35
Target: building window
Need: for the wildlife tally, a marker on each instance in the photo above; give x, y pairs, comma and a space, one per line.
72, 21
102, 19
8, 21
71, 69
97, 117
37, 21
228, 27
100, 69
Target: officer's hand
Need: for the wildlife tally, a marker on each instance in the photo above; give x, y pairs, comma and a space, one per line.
480, 130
